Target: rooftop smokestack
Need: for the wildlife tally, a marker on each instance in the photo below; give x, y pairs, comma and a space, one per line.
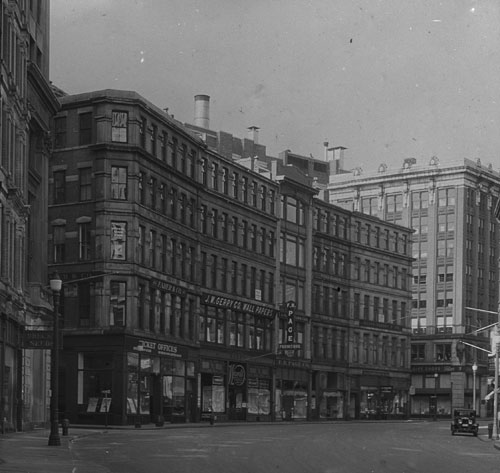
253, 134
325, 144
336, 159
202, 111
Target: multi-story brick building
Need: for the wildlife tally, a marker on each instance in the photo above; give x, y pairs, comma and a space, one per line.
168, 257
26, 106
178, 266
455, 270
360, 301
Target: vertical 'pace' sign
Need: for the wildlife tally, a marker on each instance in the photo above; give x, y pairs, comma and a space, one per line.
290, 323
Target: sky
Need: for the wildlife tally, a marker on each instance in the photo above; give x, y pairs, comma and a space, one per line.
387, 79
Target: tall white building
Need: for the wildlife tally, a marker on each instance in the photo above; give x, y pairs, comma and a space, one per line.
455, 273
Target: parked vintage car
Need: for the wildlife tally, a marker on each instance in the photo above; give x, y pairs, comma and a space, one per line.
464, 421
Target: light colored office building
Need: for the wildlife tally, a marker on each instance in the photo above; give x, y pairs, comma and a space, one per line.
455, 276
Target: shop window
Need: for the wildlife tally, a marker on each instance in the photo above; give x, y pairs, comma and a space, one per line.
259, 396
213, 393
95, 372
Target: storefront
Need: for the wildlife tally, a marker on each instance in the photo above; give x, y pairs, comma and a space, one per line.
329, 395
133, 381
259, 386
292, 389
212, 388
383, 397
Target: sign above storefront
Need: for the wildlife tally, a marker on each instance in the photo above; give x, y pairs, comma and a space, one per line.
154, 347
168, 287
234, 304
39, 339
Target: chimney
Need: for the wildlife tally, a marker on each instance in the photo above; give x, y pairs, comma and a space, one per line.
336, 159
253, 134
325, 144
202, 111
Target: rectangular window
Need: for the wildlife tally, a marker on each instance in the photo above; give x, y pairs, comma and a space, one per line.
244, 190
118, 240
225, 180
213, 272
59, 240
119, 126
85, 128
60, 132
142, 187
119, 183
59, 187
152, 309
236, 179
164, 144
163, 254
152, 249
84, 304
140, 305
118, 299
234, 277
244, 275
84, 241
142, 132
154, 138
85, 181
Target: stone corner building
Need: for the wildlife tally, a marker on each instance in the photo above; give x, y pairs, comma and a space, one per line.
27, 104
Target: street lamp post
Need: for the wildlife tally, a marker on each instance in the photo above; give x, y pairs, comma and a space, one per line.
54, 438
436, 375
474, 370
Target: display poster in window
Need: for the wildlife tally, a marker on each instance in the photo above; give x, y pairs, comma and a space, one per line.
118, 240
105, 404
119, 127
92, 405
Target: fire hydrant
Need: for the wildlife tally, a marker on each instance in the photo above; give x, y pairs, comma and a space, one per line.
65, 426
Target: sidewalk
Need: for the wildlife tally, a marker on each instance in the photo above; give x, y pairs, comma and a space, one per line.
28, 452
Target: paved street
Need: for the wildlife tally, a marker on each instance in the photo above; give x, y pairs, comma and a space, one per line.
300, 448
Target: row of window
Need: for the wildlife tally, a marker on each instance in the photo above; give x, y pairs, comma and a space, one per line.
381, 310
440, 302
329, 343
231, 183
179, 156
242, 330
379, 350
234, 277
385, 239
237, 231
378, 273
325, 221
